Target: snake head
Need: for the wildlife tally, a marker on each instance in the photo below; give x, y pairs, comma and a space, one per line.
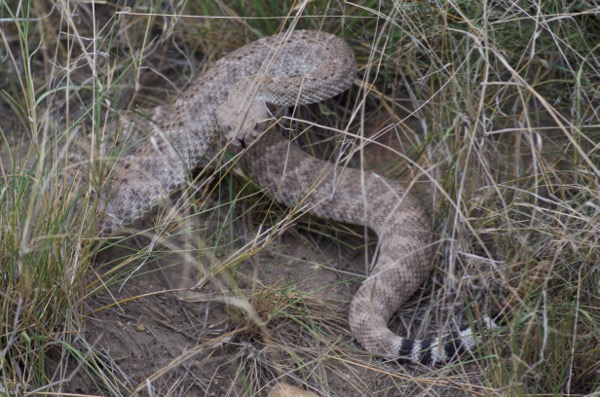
242, 118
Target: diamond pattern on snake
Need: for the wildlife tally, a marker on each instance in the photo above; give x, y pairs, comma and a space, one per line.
229, 102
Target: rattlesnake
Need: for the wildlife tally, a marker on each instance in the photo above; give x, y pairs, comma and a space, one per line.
229, 101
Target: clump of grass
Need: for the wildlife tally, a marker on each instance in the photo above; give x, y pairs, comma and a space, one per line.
491, 107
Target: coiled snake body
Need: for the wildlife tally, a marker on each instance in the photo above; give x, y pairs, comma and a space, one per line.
229, 101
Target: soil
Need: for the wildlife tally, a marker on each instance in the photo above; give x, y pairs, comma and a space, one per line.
200, 346
154, 343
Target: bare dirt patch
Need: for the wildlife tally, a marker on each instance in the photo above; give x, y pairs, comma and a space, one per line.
204, 348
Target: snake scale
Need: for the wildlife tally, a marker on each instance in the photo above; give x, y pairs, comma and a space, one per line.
229, 103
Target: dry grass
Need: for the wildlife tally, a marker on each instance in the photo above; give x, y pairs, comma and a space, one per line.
490, 108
